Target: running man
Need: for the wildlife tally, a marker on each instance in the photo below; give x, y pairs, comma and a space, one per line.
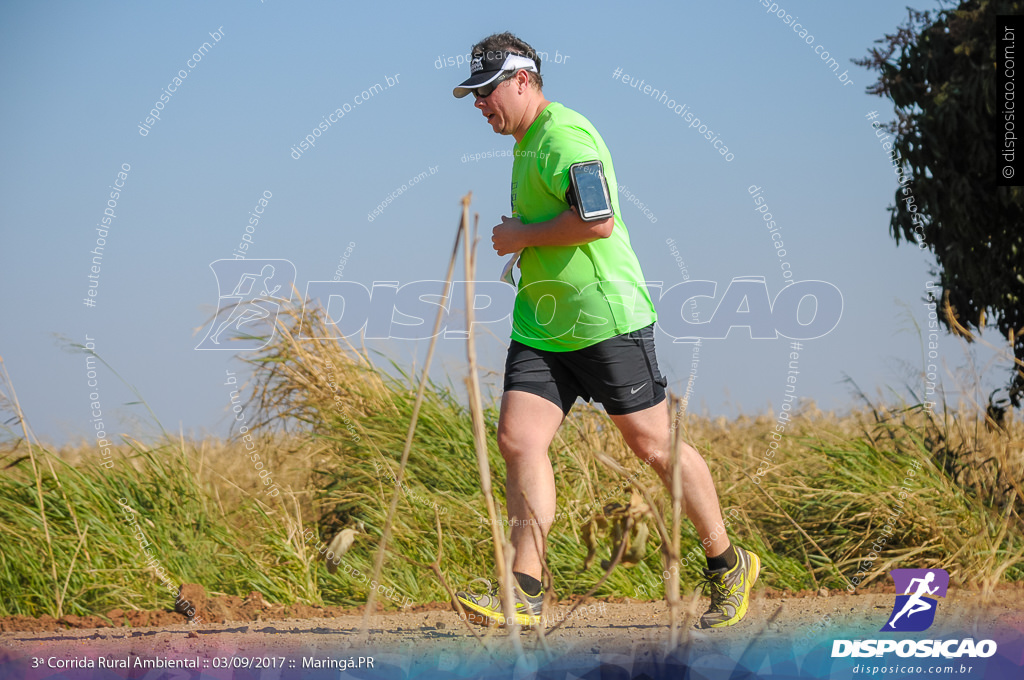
915, 603
248, 309
583, 326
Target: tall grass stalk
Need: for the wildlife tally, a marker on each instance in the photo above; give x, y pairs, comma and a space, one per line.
378, 563
503, 552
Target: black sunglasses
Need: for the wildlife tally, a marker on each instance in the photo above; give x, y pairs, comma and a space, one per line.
486, 90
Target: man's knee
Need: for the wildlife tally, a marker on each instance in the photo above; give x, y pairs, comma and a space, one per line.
526, 426
649, 447
686, 451
523, 445
655, 458
506, 443
512, 445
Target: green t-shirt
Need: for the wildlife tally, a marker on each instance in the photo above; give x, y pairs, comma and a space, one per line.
571, 297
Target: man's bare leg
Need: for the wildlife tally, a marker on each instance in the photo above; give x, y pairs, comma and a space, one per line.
647, 434
526, 425
732, 571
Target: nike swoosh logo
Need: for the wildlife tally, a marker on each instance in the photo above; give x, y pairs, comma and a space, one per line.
637, 389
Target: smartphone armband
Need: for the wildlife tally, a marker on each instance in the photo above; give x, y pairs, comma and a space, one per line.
588, 191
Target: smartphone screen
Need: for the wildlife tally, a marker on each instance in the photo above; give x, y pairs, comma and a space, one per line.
590, 187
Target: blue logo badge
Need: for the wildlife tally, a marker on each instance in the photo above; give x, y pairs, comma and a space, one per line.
915, 609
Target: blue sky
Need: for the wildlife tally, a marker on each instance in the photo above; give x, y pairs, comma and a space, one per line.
79, 81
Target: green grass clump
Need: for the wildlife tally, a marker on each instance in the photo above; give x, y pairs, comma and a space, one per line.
107, 558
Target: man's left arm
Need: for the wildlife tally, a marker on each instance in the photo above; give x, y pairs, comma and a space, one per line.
566, 229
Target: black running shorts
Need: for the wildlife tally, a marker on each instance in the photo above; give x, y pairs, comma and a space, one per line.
621, 373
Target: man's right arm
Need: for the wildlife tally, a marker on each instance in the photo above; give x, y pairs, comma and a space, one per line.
565, 229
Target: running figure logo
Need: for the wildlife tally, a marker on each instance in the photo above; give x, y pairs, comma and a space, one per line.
915, 609
247, 315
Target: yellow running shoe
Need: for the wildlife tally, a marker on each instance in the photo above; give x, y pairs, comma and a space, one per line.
488, 607
730, 590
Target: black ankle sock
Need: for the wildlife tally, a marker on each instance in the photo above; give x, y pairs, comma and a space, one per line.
529, 584
726, 560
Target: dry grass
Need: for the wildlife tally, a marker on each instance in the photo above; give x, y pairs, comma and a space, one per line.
334, 428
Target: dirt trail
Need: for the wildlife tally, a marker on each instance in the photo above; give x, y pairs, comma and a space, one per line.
435, 639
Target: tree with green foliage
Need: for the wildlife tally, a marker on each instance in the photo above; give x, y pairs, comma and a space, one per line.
940, 69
